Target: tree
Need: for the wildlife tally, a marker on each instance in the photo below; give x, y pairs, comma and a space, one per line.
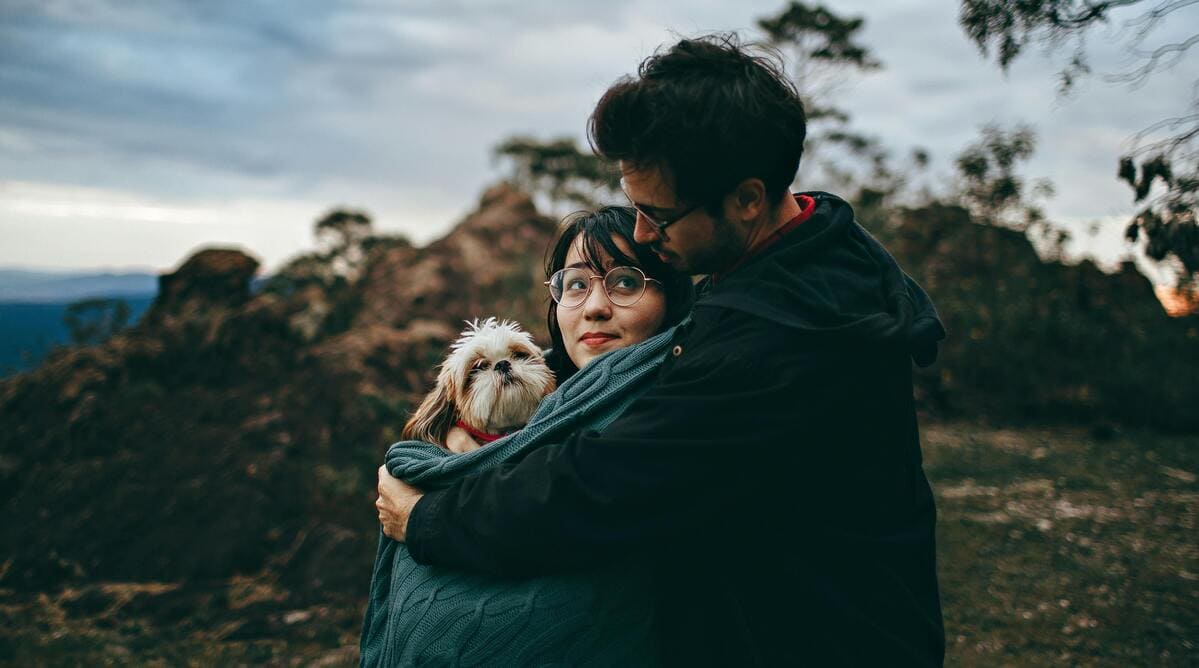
559, 171
341, 233
823, 54
342, 228
823, 51
344, 237
93, 321
1165, 154
991, 186
322, 282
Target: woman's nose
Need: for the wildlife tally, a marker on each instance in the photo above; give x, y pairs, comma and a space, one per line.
597, 306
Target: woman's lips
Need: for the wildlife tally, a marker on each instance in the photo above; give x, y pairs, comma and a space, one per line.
596, 338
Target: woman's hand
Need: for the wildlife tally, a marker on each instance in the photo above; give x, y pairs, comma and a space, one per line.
459, 440
395, 503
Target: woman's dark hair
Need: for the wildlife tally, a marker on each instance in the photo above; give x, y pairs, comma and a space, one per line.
598, 230
709, 114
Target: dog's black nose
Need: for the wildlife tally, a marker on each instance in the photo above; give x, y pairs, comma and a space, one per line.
503, 366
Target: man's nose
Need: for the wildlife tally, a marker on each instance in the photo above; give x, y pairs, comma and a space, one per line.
643, 231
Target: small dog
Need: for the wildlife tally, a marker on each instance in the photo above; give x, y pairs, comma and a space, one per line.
489, 385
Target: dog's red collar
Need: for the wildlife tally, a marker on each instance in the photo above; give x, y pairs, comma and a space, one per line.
481, 435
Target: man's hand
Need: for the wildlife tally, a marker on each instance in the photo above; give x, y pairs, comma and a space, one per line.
395, 503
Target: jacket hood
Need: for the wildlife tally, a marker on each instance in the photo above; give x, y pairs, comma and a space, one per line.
830, 276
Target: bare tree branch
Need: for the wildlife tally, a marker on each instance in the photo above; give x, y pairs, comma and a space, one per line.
1094, 12
1174, 51
1146, 22
1170, 125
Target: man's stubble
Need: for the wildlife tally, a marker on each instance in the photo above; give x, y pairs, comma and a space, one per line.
724, 249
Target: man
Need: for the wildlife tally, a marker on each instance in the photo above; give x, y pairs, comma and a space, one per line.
773, 474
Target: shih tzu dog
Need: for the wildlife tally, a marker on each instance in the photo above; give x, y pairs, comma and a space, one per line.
489, 385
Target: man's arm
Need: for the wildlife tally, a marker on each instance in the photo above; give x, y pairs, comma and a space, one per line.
663, 469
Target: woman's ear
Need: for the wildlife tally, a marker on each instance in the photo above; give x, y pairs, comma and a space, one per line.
435, 416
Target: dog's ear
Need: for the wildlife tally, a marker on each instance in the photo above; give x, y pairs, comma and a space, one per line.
435, 416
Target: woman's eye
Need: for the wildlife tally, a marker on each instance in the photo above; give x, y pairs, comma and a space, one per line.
625, 281
576, 285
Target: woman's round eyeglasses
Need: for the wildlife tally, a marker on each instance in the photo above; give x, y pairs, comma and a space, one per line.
624, 286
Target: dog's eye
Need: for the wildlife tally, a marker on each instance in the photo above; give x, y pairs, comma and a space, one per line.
520, 355
481, 365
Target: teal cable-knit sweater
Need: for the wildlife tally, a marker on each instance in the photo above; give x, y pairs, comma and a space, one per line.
426, 615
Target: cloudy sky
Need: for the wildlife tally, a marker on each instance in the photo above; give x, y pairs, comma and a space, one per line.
133, 132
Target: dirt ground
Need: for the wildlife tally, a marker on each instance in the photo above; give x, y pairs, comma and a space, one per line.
1064, 547
1057, 546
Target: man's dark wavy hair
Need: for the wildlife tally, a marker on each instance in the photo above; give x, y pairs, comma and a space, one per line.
599, 230
710, 113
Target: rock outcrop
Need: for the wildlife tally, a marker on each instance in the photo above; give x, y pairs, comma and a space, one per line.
231, 432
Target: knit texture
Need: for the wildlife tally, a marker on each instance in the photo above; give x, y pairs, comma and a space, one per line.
426, 615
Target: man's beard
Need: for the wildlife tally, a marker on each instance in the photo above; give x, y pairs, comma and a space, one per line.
723, 252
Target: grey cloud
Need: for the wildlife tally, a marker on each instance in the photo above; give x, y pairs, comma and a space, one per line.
361, 98
222, 84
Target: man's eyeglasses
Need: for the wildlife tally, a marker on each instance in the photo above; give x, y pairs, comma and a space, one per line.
624, 286
657, 222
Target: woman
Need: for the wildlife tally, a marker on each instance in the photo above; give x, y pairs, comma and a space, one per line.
641, 295
608, 339
601, 241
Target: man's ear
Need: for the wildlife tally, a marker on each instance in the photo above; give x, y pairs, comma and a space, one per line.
749, 199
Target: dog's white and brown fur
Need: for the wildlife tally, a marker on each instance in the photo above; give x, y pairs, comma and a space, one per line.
492, 381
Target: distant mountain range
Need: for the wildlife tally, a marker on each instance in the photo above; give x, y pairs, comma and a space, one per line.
26, 286
32, 304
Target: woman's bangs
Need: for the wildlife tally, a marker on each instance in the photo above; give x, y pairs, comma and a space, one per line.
601, 252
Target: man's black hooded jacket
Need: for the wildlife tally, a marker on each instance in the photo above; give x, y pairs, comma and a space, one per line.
773, 473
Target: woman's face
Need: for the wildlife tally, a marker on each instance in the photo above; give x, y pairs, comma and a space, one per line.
598, 325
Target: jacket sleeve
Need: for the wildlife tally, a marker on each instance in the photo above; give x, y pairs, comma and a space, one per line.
661, 470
